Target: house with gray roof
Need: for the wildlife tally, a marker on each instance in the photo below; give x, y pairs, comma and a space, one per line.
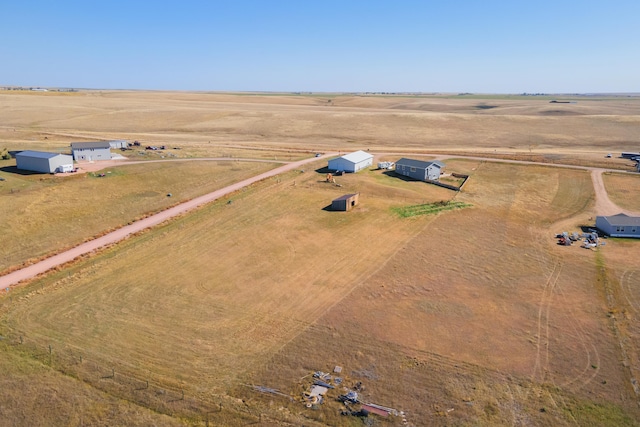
619, 225
91, 151
42, 161
420, 170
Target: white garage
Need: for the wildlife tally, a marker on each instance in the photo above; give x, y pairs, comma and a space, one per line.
41, 161
352, 162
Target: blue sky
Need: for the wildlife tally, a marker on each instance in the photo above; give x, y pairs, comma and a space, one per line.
480, 46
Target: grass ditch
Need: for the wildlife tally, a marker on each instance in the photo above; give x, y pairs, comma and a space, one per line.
429, 208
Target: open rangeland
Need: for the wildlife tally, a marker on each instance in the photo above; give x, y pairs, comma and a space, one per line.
473, 316
50, 213
623, 190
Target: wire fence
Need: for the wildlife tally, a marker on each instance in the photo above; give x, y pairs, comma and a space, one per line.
137, 389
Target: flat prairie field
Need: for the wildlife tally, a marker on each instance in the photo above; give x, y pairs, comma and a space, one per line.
470, 316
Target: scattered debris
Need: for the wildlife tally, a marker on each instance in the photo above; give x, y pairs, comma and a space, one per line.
263, 389
322, 384
351, 397
386, 165
322, 375
381, 408
591, 239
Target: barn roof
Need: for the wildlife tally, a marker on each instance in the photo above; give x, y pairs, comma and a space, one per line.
93, 144
622, 220
419, 163
38, 154
357, 156
345, 197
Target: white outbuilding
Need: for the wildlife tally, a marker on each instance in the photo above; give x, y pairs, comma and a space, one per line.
41, 161
352, 162
91, 151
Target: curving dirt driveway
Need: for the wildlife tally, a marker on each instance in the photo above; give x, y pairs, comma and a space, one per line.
604, 205
122, 233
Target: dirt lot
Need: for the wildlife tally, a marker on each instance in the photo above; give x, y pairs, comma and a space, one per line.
470, 317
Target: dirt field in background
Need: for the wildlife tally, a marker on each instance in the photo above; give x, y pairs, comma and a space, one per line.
470, 317
588, 127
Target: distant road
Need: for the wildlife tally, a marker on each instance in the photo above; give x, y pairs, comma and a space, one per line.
33, 270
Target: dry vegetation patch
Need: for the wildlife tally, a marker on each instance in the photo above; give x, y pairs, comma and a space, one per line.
35, 395
467, 317
408, 123
198, 303
43, 214
480, 313
623, 190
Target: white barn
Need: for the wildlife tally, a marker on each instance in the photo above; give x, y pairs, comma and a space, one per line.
352, 162
41, 161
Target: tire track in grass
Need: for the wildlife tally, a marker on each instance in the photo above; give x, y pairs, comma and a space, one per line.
589, 372
116, 236
544, 308
625, 281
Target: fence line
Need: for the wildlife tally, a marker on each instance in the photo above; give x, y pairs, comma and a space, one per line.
122, 384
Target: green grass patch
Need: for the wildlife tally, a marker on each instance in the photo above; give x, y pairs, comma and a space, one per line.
429, 208
595, 414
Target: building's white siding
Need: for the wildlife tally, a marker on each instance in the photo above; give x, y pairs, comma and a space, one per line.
39, 161
352, 162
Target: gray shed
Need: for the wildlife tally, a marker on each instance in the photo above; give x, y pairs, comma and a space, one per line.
118, 143
345, 203
41, 161
418, 169
91, 151
620, 225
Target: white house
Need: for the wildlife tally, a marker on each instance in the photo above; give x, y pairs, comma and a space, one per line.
41, 161
352, 162
91, 151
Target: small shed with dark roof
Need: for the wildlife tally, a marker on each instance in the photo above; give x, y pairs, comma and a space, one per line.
620, 225
345, 203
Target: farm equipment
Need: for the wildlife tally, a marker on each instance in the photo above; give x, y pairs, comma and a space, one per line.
330, 179
564, 239
590, 240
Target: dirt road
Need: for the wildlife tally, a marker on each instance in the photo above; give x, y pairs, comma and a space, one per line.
122, 233
604, 206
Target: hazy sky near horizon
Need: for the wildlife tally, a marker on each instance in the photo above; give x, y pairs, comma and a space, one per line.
481, 46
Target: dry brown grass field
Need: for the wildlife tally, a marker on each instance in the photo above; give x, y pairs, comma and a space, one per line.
48, 213
468, 317
623, 190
